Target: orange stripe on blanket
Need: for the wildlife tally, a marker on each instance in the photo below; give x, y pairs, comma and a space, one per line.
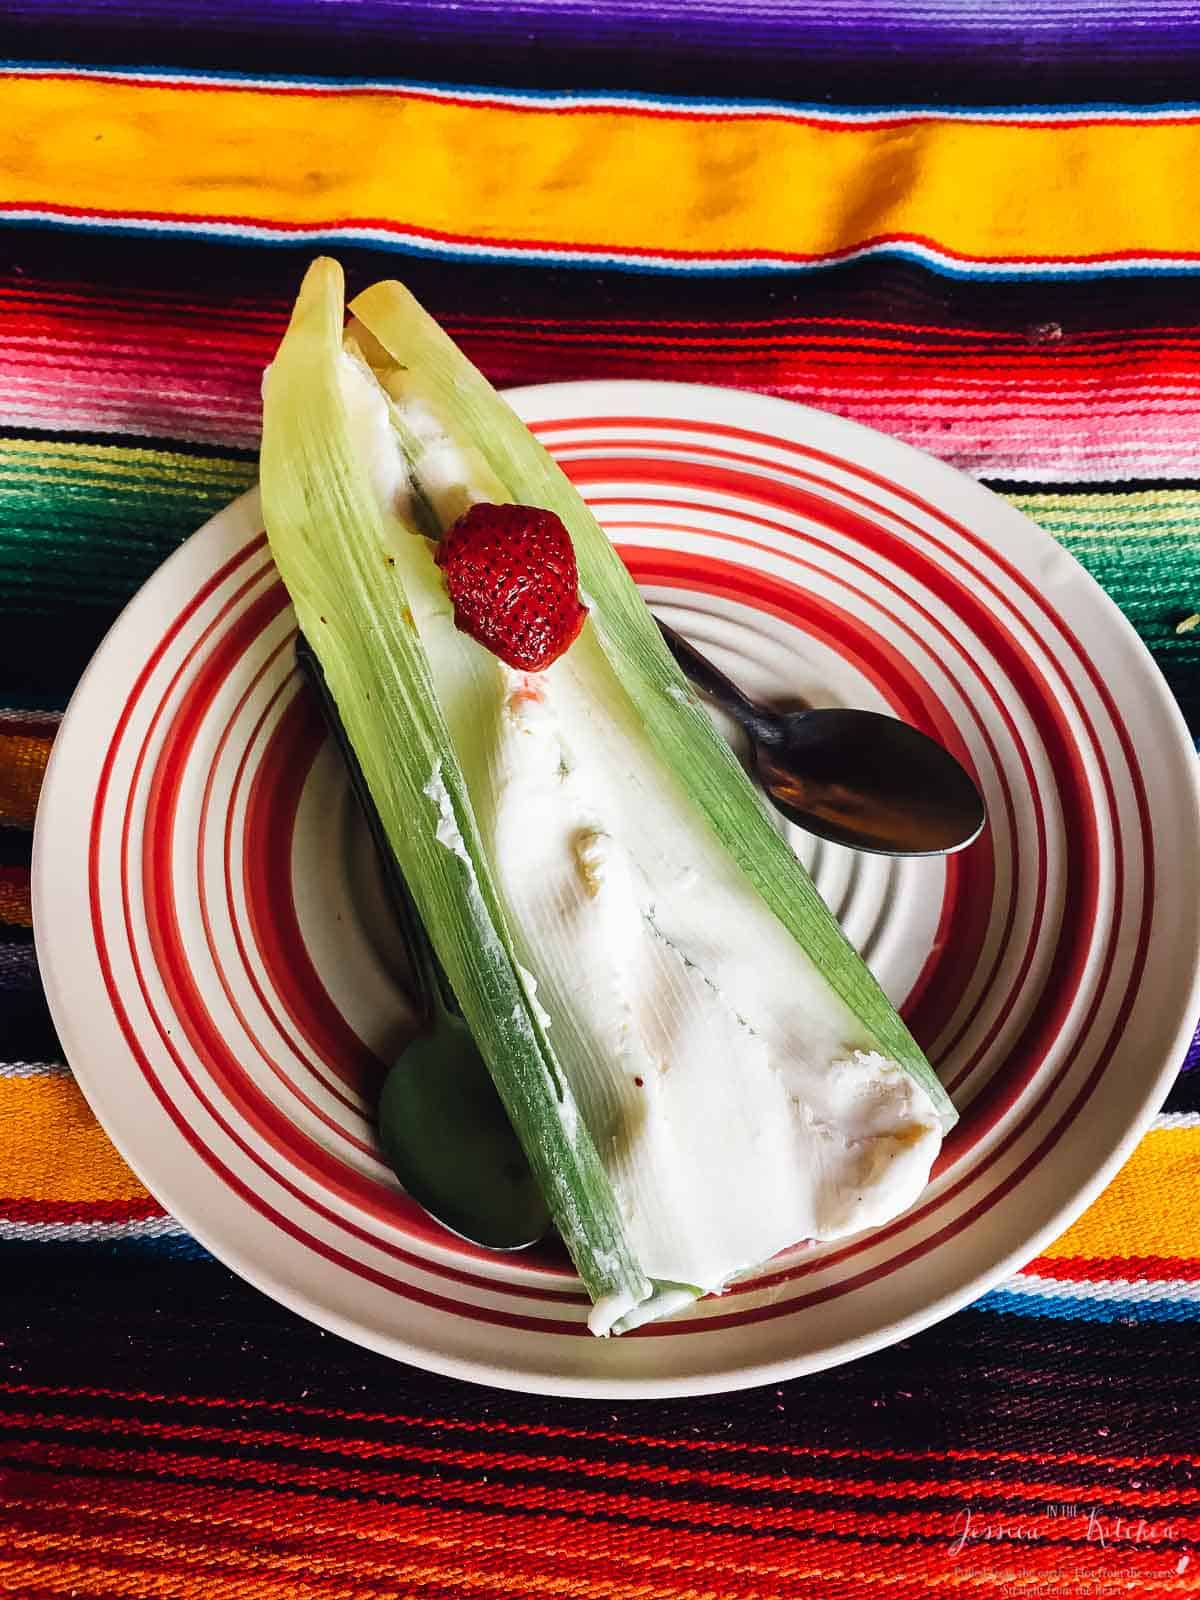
14, 896
414, 1549
542, 1549
23, 760
53, 1147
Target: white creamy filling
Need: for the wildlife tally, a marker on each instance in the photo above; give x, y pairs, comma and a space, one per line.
736, 1102
375, 444
447, 830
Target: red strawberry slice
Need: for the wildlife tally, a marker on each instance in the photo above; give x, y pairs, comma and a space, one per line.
511, 574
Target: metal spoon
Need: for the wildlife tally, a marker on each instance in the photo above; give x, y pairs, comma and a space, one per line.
855, 777
442, 1126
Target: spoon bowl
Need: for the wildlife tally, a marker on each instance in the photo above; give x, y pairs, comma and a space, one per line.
869, 781
857, 778
447, 1137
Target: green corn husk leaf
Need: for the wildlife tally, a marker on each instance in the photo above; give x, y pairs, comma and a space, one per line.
350, 577
407, 347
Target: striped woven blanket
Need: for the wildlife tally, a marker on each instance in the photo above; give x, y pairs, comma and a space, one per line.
978, 231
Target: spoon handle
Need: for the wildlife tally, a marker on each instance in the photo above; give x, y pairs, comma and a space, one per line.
700, 670
433, 996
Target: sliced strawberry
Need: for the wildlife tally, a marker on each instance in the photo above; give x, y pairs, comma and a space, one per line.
511, 574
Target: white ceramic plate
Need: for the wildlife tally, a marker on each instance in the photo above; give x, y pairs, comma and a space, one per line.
223, 974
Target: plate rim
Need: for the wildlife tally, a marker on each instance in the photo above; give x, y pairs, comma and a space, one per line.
862, 441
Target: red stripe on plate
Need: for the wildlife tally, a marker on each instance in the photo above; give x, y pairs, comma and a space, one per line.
266, 871
163, 924
281, 1073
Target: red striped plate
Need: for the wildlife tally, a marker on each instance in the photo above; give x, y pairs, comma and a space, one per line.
222, 969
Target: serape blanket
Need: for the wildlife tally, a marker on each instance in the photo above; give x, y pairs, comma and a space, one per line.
976, 229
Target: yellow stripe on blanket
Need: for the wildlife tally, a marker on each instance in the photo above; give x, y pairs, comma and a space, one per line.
53, 1147
623, 178
1151, 1208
